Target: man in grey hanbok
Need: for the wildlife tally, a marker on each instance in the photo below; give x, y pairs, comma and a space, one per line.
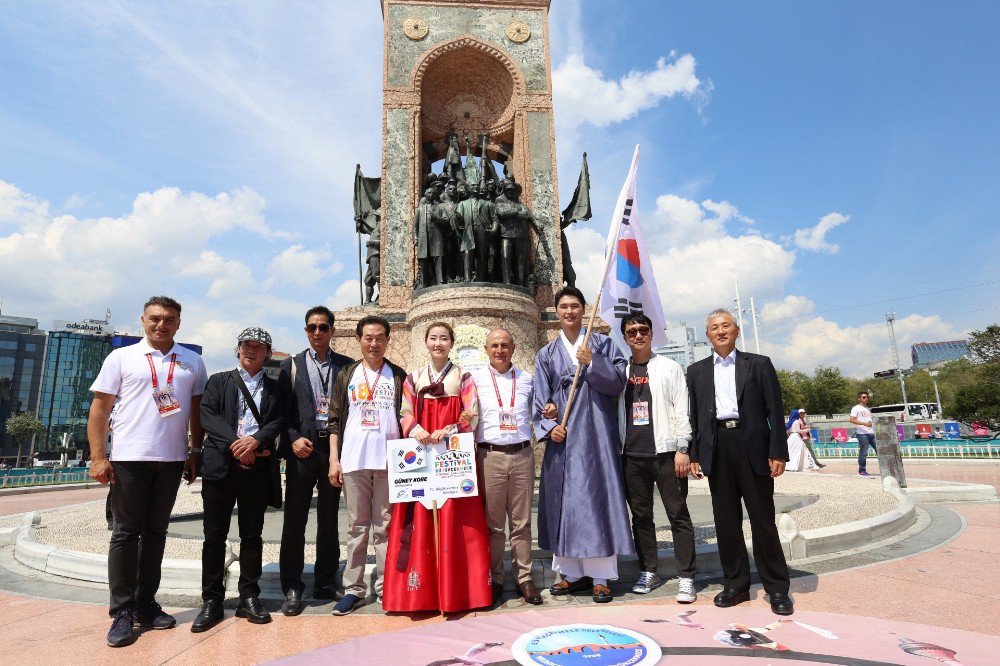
582, 515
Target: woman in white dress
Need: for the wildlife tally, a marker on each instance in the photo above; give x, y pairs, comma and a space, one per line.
799, 458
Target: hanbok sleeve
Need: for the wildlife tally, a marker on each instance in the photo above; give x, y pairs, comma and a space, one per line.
607, 370
542, 395
470, 405
407, 410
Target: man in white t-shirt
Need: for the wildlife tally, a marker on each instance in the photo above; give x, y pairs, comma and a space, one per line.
364, 414
158, 385
503, 450
861, 418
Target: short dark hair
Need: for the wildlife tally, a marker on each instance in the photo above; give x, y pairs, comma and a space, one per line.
861, 393
163, 302
320, 310
635, 318
370, 320
570, 291
439, 324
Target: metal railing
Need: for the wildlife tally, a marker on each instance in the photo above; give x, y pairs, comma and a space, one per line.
937, 449
18, 478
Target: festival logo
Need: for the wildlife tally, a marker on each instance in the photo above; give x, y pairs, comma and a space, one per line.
411, 459
468, 486
572, 644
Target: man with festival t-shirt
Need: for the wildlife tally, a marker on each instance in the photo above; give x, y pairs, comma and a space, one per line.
158, 386
364, 414
503, 449
306, 447
861, 418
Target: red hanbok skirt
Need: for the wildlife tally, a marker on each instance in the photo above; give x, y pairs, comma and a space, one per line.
461, 580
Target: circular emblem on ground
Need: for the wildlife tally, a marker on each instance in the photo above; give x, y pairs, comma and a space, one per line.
518, 32
415, 28
571, 644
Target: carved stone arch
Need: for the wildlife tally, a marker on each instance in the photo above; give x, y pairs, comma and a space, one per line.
470, 86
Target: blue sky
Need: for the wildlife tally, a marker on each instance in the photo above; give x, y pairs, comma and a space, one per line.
838, 158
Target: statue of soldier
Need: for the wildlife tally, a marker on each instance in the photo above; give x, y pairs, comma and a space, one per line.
453, 159
514, 219
444, 215
374, 261
429, 241
479, 226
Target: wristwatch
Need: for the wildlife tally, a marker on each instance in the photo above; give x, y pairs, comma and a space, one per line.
682, 448
197, 450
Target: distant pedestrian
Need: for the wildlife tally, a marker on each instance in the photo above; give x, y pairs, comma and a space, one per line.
158, 385
861, 418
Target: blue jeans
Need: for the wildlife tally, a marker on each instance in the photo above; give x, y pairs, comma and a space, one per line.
864, 441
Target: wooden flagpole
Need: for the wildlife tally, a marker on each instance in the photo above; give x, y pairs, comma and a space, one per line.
610, 250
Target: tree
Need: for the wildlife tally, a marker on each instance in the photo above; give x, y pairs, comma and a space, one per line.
22, 427
828, 392
984, 346
793, 388
979, 400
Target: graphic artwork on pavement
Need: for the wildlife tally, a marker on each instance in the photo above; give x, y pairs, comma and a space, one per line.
572, 644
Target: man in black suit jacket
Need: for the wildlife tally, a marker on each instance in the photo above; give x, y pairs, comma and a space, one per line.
739, 442
237, 465
306, 447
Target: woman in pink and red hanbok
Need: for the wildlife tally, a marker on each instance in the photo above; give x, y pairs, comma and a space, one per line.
438, 400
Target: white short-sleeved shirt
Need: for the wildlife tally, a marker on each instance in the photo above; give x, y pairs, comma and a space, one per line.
488, 429
364, 448
140, 433
861, 413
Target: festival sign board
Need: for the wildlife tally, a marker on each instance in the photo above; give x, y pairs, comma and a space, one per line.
429, 473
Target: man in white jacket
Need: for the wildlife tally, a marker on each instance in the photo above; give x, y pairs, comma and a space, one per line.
655, 432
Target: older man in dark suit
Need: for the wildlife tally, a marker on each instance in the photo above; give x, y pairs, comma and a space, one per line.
739, 442
306, 447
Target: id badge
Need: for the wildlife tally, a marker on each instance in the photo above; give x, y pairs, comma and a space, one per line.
507, 422
322, 408
640, 413
165, 401
369, 417
241, 428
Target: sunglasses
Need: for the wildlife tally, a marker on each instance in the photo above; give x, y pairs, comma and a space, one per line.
322, 328
635, 332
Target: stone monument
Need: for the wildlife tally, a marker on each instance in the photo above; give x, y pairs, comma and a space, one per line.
472, 75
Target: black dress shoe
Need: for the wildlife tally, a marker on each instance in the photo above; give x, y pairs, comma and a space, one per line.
211, 614
253, 611
122, 630
293, 603
328, 592
728, 598
497, 591
566, 587
781, 604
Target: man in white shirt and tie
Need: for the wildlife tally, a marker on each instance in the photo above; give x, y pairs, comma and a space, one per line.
504, 453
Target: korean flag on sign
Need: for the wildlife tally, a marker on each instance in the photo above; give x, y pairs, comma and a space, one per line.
411, 459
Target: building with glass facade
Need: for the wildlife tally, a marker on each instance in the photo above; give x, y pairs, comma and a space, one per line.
682, 346
22, 348
927, 354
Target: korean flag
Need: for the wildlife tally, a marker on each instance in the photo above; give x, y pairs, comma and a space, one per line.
411, 459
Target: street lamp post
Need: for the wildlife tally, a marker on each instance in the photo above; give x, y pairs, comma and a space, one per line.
937, 395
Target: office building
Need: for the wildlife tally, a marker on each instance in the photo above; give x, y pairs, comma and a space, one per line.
22, 348
682, 346
928, 354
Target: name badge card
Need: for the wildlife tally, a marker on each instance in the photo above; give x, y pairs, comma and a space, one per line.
369, 416
507, 421
165, 401
640, 413
322, 408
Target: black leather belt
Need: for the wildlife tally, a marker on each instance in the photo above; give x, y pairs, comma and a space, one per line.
506, 448
728, 423
323, 434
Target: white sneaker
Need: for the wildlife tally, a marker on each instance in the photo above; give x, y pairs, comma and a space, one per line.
646, 583
685, 591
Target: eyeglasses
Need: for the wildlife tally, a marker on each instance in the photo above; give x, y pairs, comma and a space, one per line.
635, 332
322, 328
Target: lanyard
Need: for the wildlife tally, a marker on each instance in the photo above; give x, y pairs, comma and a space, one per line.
244, 405
324, 382
371, 387
513, 388
170, 373
444, 371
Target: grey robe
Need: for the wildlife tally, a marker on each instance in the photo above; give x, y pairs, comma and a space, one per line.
581, 502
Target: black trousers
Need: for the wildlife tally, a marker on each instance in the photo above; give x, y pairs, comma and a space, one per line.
249, 490
641, 474
733, 480
141, 502
302, 475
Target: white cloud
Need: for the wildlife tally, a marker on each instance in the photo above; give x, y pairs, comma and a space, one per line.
789, 308
678, 222
347, 294
229, 277
583, 94
856, 350
301, 267
814, 238
17, 207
